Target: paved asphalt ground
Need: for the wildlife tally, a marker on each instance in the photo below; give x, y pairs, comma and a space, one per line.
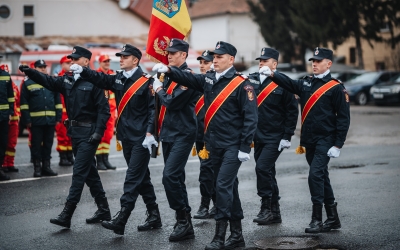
365, 178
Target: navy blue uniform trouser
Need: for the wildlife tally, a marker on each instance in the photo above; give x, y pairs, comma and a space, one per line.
206, 176
226, 166
318, 178
266, 155
42, 141
3, 139
137, 179
85, 171
176, 155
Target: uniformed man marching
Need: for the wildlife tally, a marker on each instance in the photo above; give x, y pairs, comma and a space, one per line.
41, 112
178, 126
325, 121
6, 111
88, 112
206, 176
135, 100
230, 124
277, 118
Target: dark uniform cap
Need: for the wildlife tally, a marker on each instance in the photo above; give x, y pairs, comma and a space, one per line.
128, 50
178, 45
78, 52
322, 53
267, 53
39, 63
206, 56
224, 48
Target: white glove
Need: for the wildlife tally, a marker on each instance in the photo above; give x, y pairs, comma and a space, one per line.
148, 141
160, 68
157, 84
284, 144
334, 152
265, 70
212, 66
242, 156
76, 69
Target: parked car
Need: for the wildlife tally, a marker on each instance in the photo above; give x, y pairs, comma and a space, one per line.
387, 92
347, 75
358, 88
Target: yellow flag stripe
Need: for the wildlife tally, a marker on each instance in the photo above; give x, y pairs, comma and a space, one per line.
180, 21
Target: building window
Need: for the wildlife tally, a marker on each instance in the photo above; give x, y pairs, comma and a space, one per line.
29, 29
352, 55
381, 66
4, 12
28, 10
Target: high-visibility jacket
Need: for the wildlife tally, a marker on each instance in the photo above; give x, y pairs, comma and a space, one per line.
6, 96
39, 106
104, 146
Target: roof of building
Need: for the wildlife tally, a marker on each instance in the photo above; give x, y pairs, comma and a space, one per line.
204, 8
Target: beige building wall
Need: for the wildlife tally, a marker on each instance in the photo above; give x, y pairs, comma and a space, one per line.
72, 18
380, 57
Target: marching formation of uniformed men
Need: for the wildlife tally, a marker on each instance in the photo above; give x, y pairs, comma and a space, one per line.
135, 99
220, 112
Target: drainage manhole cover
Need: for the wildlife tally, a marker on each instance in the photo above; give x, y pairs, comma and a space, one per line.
287, 243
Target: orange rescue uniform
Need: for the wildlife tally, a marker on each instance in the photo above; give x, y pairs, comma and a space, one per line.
104, 146
64, 143
13, 131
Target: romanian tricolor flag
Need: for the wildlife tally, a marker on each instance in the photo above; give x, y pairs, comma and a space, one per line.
169, 19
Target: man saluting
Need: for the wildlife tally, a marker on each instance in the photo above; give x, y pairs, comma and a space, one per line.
230, 123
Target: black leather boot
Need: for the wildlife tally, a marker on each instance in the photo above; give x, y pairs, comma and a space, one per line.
46, 170
118, 223
183, 228
219, 236
153, 220
37, 165
276, 212
202, 213
3, 176
316, 220
100, 163
64, 160
64, 219
107, 163
265, 217
70, 157
332, 222
236, 238
102, 213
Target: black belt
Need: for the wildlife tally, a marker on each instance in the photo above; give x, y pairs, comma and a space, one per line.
73, 123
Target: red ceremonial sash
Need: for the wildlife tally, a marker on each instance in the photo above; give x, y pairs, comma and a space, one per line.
163, 108
128, 95
315, 97
199, 105
220, 99
265, 93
